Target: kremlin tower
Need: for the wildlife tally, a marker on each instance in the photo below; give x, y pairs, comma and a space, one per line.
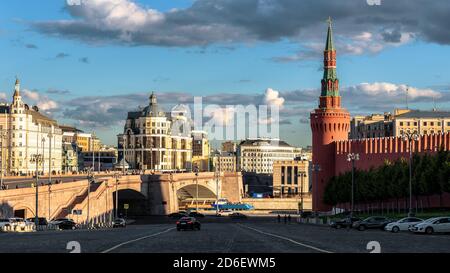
329, 123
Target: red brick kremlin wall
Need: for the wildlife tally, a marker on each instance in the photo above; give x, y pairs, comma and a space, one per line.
374, 152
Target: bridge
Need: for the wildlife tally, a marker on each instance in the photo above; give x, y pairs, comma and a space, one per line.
158, 194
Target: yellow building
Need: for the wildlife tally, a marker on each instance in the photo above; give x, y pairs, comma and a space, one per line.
422, 122
200, 150
227, 162
290, 177
291, 180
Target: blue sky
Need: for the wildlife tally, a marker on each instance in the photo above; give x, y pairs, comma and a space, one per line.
249, 47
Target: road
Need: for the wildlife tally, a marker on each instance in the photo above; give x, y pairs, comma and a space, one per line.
223, 236
26, 182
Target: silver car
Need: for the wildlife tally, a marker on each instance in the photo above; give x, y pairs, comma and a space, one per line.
403, 224
432, 225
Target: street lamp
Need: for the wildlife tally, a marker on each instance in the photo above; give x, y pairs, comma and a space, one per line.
36, 158
117, 176
316, 168
90, 179
123, 153
217, 176
196, 184
352, 157
50, 137
410, 137
3, 135
43, 156
302, 176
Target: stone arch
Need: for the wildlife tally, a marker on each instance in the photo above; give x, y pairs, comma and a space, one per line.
29, 211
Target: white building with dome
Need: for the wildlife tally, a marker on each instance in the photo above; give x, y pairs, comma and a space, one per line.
156, 140
24, 132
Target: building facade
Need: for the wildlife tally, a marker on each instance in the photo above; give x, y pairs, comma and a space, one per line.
257, 155
422, 122
290, 178
200, 150
70, 158
26, 132
155, 140
227, 162
375, 125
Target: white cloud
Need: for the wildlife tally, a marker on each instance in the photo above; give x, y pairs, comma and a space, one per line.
41, 101
383, 90
123, 15
272, 97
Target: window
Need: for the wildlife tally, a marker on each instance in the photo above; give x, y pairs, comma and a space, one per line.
432, 123
401, 123
425, 123
415, 123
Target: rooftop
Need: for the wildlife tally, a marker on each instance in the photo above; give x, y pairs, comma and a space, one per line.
425, 114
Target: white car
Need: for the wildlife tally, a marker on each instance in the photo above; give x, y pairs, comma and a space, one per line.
402, 224
18, 223
5, 223
432, 225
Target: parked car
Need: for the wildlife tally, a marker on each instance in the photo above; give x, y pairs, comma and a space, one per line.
238, 215
226, 212
403, 224
344, 223
18, 223
42, 221
432, 225
188, 223
177, 215
57, 221
67, 224
119, 222
196, 214
371, 223
5, 223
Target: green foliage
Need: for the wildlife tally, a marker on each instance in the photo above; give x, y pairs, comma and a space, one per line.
430, 175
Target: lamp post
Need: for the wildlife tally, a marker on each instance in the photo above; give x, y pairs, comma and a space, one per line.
43, 156
316, 168
352, 157
93, 154
217, 175
36, 158
124, 145
196, 185
302, 176
410, 137
50, 137
3, 135
90, 179
116, 212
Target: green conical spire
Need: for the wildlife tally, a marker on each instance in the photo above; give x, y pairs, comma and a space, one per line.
330, 82
330, 44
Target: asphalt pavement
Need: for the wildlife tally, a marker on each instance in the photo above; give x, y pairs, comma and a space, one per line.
253, 235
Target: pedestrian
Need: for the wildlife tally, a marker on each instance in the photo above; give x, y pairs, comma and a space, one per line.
285, 219
289, 218
279, 218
